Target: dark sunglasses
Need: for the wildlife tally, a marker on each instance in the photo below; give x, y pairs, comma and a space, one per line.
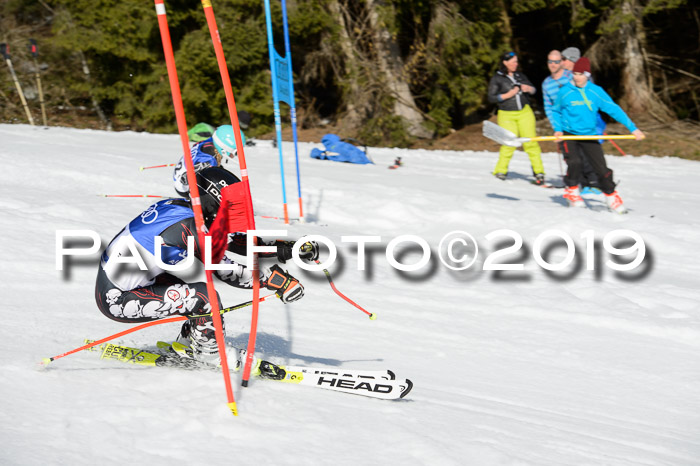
553, 61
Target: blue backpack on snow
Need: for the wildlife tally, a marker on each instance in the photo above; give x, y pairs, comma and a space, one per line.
338, 150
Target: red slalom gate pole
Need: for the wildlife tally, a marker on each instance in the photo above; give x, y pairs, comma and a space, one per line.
231, 103
616, 146
158, 166
47, 361
194, 195
330, 280
130, 195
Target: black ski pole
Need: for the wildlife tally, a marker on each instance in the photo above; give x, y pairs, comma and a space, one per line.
237, 306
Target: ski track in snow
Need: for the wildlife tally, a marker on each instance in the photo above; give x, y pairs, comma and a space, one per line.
577, 367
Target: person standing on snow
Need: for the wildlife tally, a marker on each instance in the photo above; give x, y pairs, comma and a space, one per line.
557, 78
511, 90
570, 56
575, 113
208, 153
129, 294
589, 180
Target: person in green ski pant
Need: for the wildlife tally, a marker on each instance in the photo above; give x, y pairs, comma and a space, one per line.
510, 89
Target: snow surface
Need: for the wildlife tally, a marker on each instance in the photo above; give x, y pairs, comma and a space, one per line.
576, 367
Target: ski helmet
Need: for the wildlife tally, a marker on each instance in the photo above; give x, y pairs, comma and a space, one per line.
244, 119
225, 141
210, 182
200, 132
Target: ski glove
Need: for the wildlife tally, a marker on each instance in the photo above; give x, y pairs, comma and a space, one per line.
287, 287
308, 251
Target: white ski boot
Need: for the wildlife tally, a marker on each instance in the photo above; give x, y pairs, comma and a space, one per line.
573, 197
210, 358
615, 204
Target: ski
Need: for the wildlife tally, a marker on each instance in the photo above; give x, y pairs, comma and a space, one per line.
143, 357
354, 373
386, 374
380, 384
366, 386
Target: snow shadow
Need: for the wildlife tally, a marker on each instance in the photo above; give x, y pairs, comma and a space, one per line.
271, 347
518, 176
312, 209
558, 199
501, 196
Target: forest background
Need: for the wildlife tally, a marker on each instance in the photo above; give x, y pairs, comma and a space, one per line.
386, 72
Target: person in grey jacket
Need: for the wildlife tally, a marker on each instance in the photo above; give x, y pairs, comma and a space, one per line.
510, 89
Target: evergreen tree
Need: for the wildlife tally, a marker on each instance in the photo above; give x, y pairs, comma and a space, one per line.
381, 69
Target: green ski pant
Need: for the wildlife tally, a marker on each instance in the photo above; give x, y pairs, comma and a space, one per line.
522, 124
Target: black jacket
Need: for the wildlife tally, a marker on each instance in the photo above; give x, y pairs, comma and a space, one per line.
502, 83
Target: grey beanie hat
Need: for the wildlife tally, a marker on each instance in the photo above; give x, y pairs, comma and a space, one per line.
571, 53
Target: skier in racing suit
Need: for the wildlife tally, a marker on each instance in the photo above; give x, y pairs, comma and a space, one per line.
211, 152
129, 294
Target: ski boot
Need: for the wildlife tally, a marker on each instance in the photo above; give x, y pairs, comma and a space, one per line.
586, 190
186, 353
615, 204
573, 197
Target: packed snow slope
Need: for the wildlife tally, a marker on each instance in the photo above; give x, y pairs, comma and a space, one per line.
531, 367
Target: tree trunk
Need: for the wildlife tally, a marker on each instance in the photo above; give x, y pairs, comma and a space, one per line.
390, 65
579, 18
355, 110
638, 94
505, 21
106, 123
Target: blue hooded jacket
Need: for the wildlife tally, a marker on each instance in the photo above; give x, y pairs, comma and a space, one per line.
576, 109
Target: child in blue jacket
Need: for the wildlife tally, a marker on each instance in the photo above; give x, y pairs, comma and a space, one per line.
575, 113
